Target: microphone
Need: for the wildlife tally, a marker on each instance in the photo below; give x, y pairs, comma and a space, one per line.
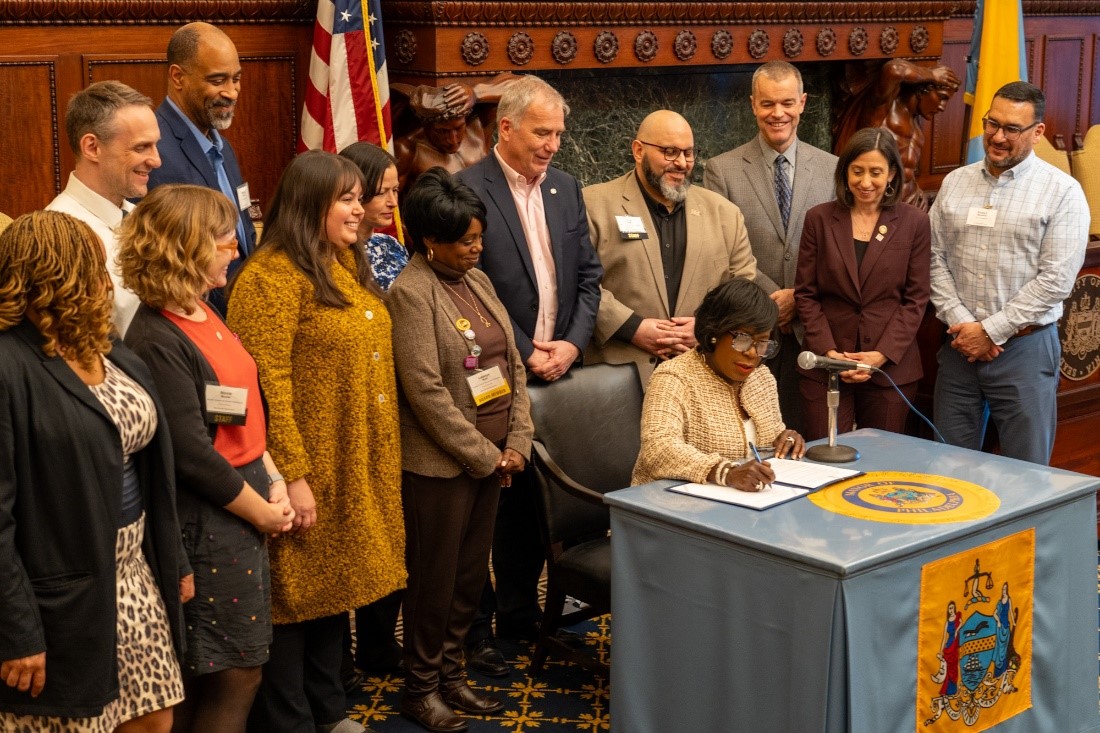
810, 360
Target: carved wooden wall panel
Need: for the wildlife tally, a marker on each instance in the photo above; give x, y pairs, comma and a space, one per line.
274, 59
29, 158
1064, 81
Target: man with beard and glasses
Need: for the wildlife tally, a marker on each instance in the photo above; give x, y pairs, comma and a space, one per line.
204, 79
1008, 238
664, 244
113, 135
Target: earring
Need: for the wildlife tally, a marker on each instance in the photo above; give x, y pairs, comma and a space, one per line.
431, 254
713, 340
890, 188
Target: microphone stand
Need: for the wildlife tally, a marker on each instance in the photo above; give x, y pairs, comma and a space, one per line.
833, 453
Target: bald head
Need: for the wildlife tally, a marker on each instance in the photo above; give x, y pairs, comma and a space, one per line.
664, 156
663, 122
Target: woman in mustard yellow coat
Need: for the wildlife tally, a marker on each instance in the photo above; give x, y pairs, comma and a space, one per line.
306, 307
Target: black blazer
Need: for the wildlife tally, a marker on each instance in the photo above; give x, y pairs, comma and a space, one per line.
60, 502
507, 260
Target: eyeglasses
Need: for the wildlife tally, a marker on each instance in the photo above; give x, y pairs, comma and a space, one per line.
1011, 132
230, 246
765, 348
672, 153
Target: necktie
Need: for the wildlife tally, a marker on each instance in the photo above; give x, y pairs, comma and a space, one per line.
218, 162
783, 189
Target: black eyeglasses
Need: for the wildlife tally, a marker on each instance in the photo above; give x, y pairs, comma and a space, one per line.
672, 153
1011, 132
765, 348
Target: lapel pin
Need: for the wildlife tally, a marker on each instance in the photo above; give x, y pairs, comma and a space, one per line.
553, 191
882, 229
695, 212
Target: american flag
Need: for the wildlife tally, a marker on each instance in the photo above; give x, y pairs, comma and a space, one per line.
348, 94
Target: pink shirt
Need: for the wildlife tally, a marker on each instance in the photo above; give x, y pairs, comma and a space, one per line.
532, 217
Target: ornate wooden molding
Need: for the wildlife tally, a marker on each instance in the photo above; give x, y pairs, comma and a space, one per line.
440, 13
143, 12
1040, 7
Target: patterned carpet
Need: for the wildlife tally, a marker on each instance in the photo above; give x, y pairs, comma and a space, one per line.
565, 697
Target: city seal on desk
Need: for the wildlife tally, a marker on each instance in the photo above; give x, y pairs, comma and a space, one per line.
900, 497
974, 636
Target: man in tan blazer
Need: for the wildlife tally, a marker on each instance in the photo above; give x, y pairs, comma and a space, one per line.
663, 244
747, 177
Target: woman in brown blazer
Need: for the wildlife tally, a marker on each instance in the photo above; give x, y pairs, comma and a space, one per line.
861, 288
465, 429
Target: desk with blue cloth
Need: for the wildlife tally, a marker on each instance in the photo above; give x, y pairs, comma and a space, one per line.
803, 619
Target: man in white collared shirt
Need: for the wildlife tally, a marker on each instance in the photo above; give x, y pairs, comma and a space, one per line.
113, 133
545, 270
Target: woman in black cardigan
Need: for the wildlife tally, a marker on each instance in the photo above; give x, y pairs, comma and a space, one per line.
91, 568
174, 248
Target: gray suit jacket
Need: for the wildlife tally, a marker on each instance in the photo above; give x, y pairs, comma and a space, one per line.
633, 281
741, 176
439, 436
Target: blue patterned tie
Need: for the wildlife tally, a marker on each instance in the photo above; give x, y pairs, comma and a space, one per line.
782, 189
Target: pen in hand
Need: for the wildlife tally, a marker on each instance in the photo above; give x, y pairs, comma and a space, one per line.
756, 454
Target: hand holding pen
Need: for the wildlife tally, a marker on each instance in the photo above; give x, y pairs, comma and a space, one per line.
762, 484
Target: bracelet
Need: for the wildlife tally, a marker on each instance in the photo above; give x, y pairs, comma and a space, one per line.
273, 477
720, 472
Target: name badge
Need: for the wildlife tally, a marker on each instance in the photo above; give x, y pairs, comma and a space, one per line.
244, 198
980, 216
487, 385
226, 405
631, 227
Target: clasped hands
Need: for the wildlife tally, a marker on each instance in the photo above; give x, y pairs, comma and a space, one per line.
971, 340
551, 359
855, 376
666, 338
510, 462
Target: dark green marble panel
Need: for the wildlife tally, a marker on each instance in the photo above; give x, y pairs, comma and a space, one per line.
607, 107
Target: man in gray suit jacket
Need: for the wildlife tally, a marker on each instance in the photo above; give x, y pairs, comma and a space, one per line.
774, 204
664, 243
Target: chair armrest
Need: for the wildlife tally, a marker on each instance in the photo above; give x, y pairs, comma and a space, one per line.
559, 477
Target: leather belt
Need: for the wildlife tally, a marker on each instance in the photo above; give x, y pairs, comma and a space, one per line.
1028, 330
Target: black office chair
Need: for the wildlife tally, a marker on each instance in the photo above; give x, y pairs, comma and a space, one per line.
587, 436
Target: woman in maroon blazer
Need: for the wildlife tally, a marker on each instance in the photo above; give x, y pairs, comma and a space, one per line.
862, 287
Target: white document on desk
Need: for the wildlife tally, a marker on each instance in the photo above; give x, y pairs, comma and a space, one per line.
807, 474
769, 497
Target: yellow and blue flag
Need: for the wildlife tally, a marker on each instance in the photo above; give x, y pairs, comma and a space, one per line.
997, 57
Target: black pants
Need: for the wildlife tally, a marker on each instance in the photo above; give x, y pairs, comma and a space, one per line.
375, 628
517, 563
301, 686
448, 533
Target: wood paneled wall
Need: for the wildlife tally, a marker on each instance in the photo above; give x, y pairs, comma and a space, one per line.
1063, 57
42, 65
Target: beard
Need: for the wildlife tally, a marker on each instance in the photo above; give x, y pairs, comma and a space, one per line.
220, 114
657, 181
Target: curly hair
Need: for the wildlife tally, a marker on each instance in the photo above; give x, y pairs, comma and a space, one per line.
167, 243
52, 265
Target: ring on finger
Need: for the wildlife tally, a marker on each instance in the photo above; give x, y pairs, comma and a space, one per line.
759, 486
790, 439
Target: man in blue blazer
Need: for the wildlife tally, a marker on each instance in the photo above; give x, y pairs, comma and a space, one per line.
204, 79
540, 260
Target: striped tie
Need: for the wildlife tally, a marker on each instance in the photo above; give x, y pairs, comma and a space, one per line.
782, 189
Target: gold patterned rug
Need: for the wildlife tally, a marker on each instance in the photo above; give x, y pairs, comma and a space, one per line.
565, 697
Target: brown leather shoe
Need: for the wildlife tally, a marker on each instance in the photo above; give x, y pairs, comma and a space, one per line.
432, 713
469, 700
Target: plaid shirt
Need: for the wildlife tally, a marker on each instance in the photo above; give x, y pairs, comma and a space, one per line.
1017, 272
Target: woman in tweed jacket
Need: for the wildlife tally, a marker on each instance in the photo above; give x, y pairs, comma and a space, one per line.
460, 442
704, 408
